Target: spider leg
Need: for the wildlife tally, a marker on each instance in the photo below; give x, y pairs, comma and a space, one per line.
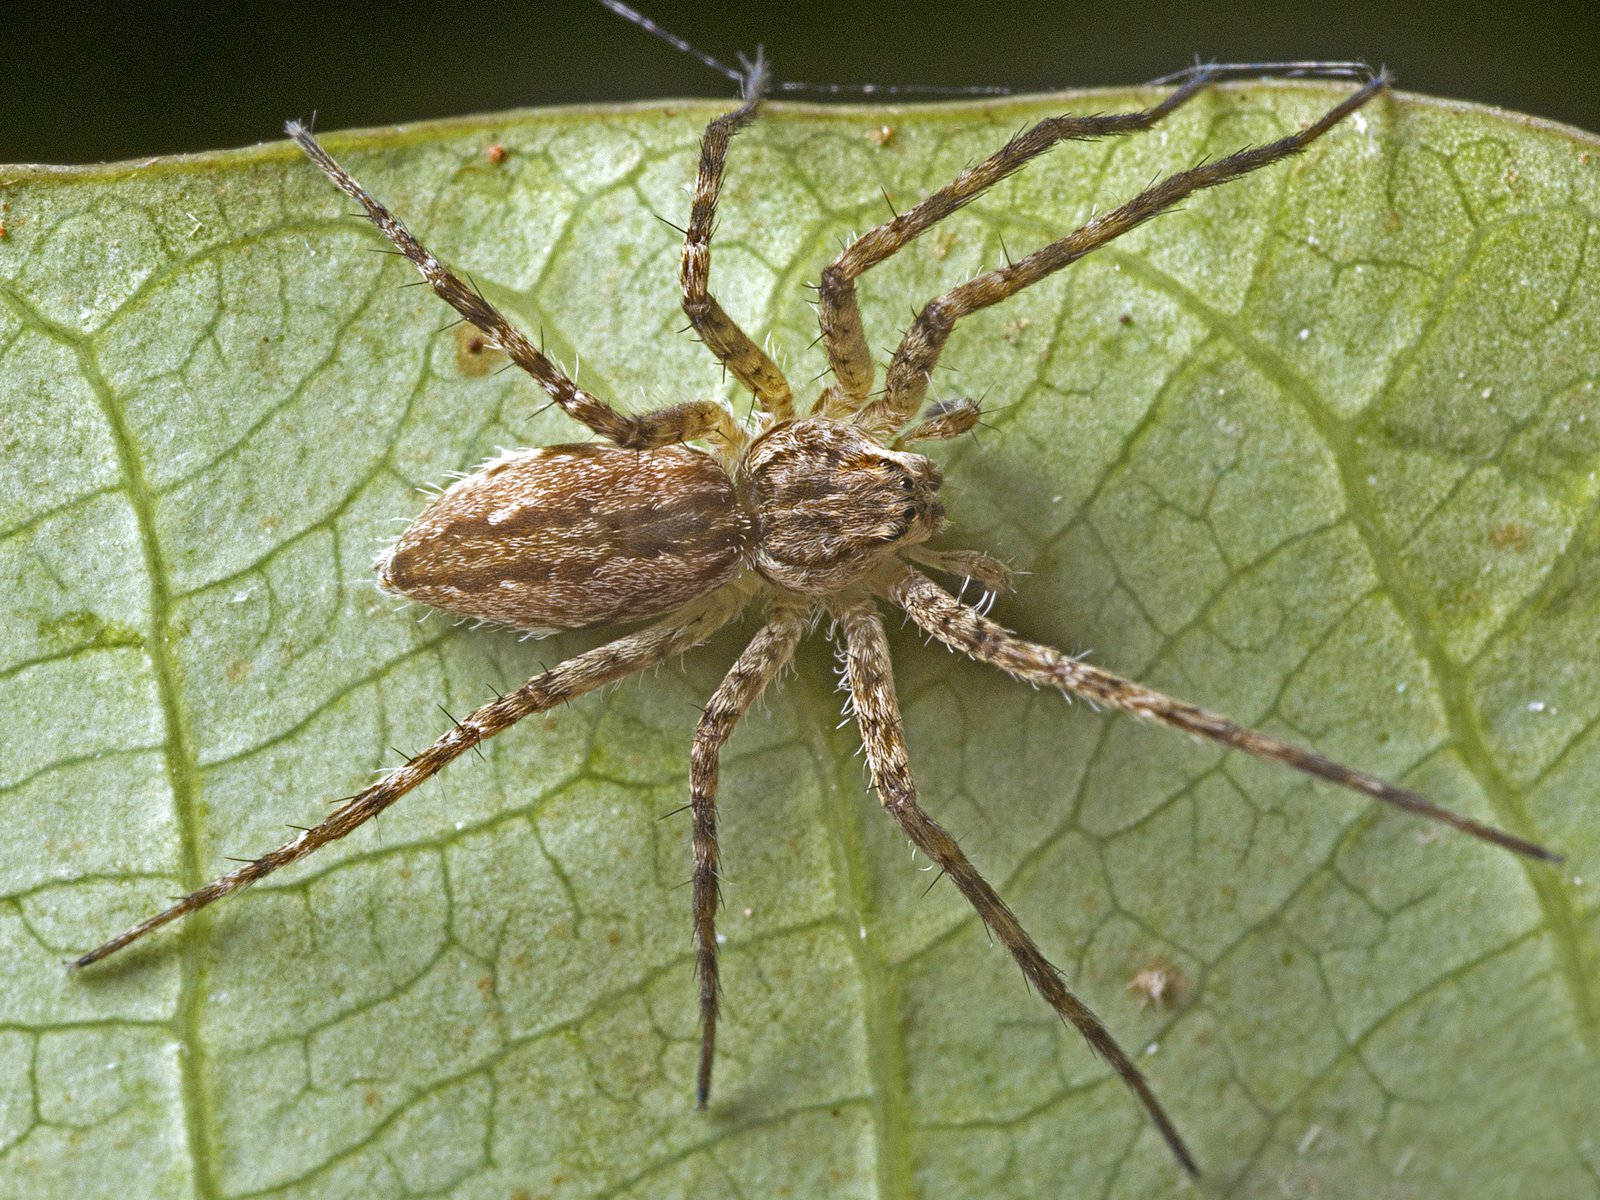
987, 570
871, 679
666, 426
906, 381
749, 676
750, 365
959, 626
943, 421
838, 311
580, 674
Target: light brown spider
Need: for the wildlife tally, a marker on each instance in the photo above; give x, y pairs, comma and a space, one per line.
825, 513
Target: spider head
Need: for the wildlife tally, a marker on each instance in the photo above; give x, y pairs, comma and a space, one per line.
831, 502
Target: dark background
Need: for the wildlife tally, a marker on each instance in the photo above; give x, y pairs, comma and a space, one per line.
81, 82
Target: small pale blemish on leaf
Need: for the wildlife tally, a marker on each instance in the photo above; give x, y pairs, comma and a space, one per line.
1513, 535
1014, 331
475, 358
1158, 982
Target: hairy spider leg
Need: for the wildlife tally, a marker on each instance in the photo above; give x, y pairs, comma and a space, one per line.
961, 627
663, 427
871, 681
734, 348
839, 313
572, 678
766, 654
906, 381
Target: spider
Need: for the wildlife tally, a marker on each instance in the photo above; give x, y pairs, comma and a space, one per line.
688, 516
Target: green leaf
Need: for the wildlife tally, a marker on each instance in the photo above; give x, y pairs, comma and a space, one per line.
1318, 451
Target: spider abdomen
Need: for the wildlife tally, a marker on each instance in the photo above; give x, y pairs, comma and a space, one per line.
566, 536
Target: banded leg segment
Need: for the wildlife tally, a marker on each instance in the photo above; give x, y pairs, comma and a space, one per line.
767, 654
838, 310
877, 712
564, 682
907, 379
664, 427
750, 365
960, 627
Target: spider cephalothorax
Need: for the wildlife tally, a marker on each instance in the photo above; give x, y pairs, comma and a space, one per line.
830, 503
806, 515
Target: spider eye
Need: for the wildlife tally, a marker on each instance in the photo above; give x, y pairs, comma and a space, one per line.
910, 514
905, 484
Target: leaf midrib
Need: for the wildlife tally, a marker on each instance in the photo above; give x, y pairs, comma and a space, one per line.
177, 751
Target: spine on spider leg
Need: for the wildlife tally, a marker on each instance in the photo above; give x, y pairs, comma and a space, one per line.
962, 628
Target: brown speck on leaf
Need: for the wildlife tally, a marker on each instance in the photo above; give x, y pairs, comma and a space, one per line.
943, 242
1392, 222
1513, 535
372, 1099
474, 357
1125, 319
550, 722
496, 154
1015, 330
486, 986
613, 938
1158, 982
237, 671
880, 135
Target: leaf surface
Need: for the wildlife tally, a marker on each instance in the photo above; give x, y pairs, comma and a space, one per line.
1318, 451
